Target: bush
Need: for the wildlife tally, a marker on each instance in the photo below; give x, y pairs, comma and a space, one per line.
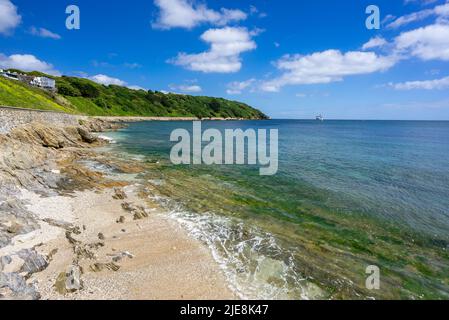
67, 90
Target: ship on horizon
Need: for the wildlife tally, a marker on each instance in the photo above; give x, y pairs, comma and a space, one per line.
320, 118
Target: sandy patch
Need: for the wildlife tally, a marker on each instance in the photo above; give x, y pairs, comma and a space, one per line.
158, 259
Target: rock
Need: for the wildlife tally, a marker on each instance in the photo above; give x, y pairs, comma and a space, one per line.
14, 228
5, 260
122, 219
14, 286
138, 212
33, 262
118, 257
86, 136
98, 267
119, 194
70, 281
101, 236
127, 206
74, 282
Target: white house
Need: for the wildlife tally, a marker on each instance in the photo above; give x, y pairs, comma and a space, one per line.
44, 82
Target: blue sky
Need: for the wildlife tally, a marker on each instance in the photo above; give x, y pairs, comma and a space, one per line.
291, 59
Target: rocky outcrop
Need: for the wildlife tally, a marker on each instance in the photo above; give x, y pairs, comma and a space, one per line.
32, 157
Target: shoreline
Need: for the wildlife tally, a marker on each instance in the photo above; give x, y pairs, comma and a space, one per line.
70, 232
13, 117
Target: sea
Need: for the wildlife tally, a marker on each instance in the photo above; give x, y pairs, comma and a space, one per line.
349, 197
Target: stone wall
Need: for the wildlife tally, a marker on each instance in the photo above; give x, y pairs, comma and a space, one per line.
14, 117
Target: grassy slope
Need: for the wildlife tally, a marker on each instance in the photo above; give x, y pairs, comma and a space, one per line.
77, 95
16, 94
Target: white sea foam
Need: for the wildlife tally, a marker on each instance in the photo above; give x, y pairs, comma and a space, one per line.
106, 138
255, 265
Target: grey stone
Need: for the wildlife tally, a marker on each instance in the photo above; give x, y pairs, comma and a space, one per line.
18, 288
33, 262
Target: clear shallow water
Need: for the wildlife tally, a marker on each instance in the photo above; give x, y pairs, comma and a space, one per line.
348, 194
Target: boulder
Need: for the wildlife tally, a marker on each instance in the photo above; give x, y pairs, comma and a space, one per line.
119, 194
70, 281
86, 136
14, 286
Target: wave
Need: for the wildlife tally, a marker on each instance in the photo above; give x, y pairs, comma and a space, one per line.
256, 266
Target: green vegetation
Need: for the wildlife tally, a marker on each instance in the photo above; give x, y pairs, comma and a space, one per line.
79, 95
16, 94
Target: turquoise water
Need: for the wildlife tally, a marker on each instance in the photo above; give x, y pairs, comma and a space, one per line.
348, 194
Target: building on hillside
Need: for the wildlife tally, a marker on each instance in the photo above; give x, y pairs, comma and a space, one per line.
10, 75
40, 82
44, 82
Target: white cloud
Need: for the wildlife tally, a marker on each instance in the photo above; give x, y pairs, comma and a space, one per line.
427, 43
441, 11
188, 14
106, 80
376, 42
237, 87
9, 18
422, 2
44, 33
224, 55
326, 67
136, 88
194, 88
26, 62
437, 84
